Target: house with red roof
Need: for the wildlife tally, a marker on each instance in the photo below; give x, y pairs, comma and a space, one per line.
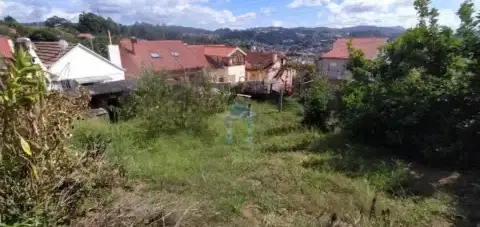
333, 63
6, 50
269, 67
171, 56
223, 63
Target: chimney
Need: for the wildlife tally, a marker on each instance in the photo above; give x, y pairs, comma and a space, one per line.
12, 46
275, 57
25, 42
114, 54
133, 40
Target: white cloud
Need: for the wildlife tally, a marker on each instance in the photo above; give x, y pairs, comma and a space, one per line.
379, 13
277, 23
300, 3
449, 17
180, 12
267, 11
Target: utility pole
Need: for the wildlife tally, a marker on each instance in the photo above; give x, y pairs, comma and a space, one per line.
280, 102
91, 43
109, 38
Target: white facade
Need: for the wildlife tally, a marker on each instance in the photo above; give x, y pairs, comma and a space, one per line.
236, 73
82, 64
230, 74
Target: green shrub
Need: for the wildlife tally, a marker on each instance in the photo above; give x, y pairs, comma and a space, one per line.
315, 103
166, 106
420, 96
45, 34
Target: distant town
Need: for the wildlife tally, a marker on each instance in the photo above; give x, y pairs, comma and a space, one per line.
299, 44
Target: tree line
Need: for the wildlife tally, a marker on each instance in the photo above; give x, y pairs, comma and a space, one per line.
56, 28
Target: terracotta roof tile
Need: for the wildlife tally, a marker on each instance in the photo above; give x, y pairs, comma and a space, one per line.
85, 35
219, 50
199, 52
260, 59
5, 49
133, 62
368, 45
50, 52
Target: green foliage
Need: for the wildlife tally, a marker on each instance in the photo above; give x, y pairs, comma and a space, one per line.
41, 182
45, 34
281, 181
95, 24
12, 23
5, 30
315, 103
100, 44
55, 21
419, 95
168, 106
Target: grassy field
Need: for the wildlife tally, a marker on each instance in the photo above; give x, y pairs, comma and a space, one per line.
290, 176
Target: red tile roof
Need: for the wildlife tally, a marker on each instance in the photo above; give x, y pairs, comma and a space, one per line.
85, 35
219, 50
199, 52
5, 49
263, 60
368, 45
187, 58
50, 52
210, 53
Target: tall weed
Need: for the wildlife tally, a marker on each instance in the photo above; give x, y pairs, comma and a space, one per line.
42, 182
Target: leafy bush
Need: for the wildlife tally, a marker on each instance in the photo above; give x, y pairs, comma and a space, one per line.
45, 34
42, 183
168, 106
315, 103
421, 95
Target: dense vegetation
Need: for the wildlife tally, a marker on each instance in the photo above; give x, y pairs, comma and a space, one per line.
421, 96
288, 177
42, 181
167, 106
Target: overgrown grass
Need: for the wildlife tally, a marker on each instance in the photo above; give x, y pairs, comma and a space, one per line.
287, 178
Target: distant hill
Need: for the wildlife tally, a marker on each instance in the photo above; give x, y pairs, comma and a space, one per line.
297, 41
300, 38
386, 30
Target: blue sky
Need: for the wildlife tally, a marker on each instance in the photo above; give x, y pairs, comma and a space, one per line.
213, 14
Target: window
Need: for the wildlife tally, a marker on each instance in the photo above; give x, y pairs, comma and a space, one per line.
155, 55
66, 84
238, 60
175, 53
333, 64
221, 80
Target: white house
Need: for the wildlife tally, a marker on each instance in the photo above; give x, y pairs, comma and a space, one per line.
72, 65
226, 64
